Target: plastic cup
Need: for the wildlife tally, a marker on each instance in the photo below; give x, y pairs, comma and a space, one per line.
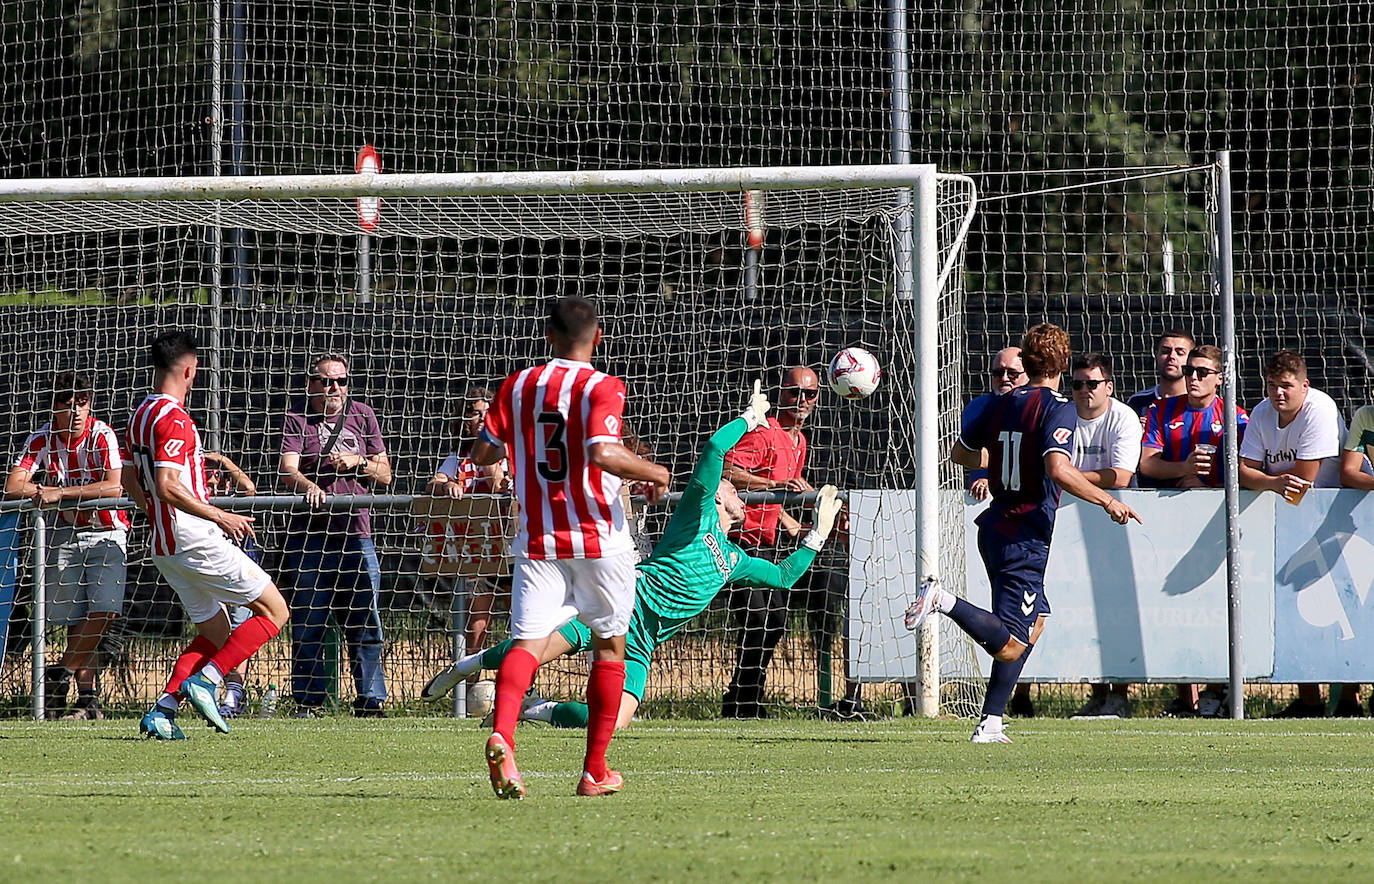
1211, 452
1295, 497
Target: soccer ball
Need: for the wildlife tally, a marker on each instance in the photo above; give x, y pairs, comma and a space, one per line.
481, 697
854, 373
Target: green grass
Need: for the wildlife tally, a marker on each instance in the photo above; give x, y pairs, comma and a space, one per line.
341, 800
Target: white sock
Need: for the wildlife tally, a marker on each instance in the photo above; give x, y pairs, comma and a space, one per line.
211, 672
469, 665
944, 601
991, 723
168, 703
541, 711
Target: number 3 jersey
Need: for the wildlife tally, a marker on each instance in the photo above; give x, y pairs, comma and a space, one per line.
162, 434
1018, 429
546, 418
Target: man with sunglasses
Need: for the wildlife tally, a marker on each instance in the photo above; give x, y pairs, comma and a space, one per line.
1106, 451
1182, 446
332, 445
772, 458
79, 458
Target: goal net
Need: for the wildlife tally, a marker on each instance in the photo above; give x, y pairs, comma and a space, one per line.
446, 292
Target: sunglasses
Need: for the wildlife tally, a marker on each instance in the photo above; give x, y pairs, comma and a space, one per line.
1201, 371
325, 382
1091, 385
1009, 372
66, 402
802, 392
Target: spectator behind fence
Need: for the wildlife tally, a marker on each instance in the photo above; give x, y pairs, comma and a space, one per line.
772, 458
1292, 443
223, 477
453, 540
1106, 450
1182, 448
1171, 354
332, 445
79, 457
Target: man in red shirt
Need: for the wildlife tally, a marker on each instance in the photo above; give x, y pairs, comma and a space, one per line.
559, 427
773, 458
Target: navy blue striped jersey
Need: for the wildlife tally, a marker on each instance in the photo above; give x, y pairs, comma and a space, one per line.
1019, 429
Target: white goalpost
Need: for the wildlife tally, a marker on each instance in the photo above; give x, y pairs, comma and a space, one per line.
458, 266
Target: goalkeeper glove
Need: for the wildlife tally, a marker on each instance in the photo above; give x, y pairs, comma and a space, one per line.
826, 508
756, 415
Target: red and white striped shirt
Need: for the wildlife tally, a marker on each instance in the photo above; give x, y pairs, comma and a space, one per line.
162, 434
83, 461
547, 417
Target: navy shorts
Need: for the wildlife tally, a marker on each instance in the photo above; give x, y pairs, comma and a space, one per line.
1016, 570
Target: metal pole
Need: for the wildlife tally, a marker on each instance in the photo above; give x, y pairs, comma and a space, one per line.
216, 121
364, 269
459, 620
927, 503
238, 74
40, 612
1225, 287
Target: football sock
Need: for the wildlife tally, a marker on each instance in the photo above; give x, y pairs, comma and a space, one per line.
243, 642
604, 687
569, 715
168, 703
513, 679
944, 600
984, 627
1001, 682
541, 711
212, 673
196, 655
991, 723
492, 656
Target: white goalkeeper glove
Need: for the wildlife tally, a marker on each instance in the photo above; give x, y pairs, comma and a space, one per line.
756, 415
827, 507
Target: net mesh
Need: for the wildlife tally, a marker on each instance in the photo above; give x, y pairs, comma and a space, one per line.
691, 317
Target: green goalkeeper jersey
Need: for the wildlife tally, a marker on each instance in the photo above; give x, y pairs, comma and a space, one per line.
695, 559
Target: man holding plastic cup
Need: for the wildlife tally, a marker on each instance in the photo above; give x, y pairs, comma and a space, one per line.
1183, 433
1293, 443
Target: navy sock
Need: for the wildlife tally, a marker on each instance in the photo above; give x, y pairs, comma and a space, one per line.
984, 627
1002, 682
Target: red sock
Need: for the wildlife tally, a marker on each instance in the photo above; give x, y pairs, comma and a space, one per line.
243, 642
604, 687
196, 655
512, 680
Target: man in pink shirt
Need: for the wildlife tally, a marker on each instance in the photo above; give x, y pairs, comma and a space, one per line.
773, 458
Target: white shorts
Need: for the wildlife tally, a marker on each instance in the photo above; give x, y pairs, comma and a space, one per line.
210, 573
547, 593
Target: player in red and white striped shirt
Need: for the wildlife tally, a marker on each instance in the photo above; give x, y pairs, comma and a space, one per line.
194, 543
559, 426
78, 457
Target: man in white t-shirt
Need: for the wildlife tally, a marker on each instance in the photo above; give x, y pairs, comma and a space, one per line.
1292, 443
1107, 452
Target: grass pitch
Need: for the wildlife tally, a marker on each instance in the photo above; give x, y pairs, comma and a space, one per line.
403, 799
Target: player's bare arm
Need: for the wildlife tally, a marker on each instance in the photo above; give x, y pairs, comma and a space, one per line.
289, 468
172, 491
1059, 468
1109, 477
967, 458
1352, 471
620, 461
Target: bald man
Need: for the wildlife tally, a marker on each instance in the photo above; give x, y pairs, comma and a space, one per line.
773, 458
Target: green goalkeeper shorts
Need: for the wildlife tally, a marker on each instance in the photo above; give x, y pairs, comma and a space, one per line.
647, 632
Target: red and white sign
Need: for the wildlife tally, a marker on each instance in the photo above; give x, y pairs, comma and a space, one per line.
369, 207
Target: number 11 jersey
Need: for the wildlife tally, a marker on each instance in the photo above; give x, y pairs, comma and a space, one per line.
547, 418
1018, 429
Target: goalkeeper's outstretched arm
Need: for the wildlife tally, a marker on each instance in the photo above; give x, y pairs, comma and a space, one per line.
784, 575
711, 463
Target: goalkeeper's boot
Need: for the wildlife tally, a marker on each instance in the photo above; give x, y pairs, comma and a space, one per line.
158, 724
444, 680
926, 599
589, 785
528, 701
505, 778
204, 697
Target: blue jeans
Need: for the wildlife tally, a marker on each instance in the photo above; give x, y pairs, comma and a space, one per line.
339, 575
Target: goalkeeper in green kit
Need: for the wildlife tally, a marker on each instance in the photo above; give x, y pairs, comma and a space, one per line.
693, 561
